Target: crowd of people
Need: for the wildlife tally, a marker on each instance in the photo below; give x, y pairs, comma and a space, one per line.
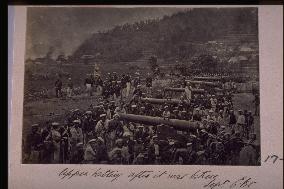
98, 135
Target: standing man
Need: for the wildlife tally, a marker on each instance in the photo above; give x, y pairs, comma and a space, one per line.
123, 86
101, 126
69, 88
250, 122
56, 140
241, 121
232, 119
149, 83
128, 84
33, 145
89, 83
76, 135
256, 104
58, 86
88, 127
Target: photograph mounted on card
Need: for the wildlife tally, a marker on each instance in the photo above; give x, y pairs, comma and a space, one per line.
131, 86
147, 97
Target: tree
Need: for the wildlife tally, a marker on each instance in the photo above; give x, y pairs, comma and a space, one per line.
205, 63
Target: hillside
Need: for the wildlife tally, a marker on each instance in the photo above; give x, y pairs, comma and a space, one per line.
172, 37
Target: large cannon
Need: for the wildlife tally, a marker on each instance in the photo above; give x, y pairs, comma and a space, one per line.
208, 78
162, 101
195, 91
206, 83
182, 90
149, 120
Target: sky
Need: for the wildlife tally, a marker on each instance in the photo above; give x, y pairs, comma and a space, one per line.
65, 28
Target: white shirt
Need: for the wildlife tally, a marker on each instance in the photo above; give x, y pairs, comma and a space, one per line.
241, 119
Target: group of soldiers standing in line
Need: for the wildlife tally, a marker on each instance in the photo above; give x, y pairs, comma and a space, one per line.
98, 135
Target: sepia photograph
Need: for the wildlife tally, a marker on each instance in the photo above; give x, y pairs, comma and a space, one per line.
141, 86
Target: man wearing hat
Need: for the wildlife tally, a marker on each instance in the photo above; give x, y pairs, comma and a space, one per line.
149, 83
196, 116
133, 109
232, 119
115, 155
154, 150
101, 150
211, 116
139, 160
136, 82
191, 155
90, 153
236, 144
33, 145
76, 134
47, 150
65, 134
241, 121
56, 139
102, 126
114, 130
248, 155
88, 126
129, 144
137, 91
120, 108
166, 114
77, 156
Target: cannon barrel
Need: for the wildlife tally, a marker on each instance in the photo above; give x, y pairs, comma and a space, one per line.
208, 83
182, 90
208, 78
175, 123
161, 101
